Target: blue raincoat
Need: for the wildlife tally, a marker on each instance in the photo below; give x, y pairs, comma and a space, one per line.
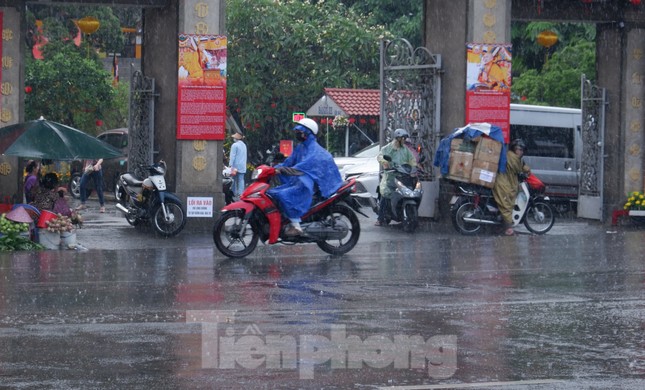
318, 166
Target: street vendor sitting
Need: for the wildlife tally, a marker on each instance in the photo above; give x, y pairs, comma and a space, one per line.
49, 196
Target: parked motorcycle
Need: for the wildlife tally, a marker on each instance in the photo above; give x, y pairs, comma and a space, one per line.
227, 185
148, 200
406, 196
331, 223
474, 206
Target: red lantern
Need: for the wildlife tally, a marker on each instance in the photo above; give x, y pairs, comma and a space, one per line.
351, 120
99, 122
523, 98
28, 89
257, 125
274, 105
372, 121
635, 2
362, 121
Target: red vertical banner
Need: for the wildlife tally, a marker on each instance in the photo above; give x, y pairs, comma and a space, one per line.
488, 85
201, 100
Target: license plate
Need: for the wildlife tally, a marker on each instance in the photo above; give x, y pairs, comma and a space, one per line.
454, 199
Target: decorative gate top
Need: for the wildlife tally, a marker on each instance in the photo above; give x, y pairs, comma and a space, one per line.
410, 97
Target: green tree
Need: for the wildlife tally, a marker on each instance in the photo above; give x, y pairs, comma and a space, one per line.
68, 87
558, 83
403, 17
59, 24
552, 76
280, 62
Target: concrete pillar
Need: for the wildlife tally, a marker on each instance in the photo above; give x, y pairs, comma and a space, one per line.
610, 59
449, 25
11, 97
634, 95
196, 171
620, 60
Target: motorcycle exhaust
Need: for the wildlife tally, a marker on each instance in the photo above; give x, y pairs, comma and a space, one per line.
322, 232
122, 208
481, 221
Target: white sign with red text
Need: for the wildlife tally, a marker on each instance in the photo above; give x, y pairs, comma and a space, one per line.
199, 207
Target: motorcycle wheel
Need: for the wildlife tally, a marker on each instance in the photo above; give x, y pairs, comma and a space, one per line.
466, 209
411, 218
124, 199
342, 246
539, 218
176, 219
229, 239
133, 221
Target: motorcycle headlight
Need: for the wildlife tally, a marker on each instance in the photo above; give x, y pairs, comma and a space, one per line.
159, 170
405, 191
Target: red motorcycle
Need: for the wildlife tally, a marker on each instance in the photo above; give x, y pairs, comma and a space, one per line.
331, 223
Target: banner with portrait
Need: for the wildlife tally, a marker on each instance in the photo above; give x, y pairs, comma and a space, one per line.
488, 85
201, 100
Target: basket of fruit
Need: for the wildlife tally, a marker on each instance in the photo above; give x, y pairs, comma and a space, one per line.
14, 231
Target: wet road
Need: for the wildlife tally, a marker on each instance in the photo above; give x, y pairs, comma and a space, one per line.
560, 311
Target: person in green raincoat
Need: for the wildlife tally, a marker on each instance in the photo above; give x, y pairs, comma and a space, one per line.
400, 155
507, 183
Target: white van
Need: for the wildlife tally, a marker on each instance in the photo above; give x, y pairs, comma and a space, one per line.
554, 146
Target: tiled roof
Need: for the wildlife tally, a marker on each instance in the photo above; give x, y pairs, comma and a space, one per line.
366, 102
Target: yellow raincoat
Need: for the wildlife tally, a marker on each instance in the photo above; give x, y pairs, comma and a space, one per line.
507, 185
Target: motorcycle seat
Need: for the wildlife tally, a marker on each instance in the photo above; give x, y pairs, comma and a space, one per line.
131, 180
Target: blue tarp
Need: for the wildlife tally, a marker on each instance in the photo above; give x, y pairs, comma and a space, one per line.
472, 130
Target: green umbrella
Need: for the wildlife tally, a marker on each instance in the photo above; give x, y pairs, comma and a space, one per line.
43, 139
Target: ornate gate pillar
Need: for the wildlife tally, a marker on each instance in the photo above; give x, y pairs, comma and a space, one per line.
11, 94
620, 60
449, 25
196, 164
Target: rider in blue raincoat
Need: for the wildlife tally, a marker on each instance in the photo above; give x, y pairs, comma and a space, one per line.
308, 166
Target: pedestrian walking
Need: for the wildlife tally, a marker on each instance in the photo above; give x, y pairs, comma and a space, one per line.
93, 171
238, 163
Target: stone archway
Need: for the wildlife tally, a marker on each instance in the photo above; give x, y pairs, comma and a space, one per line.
620, 59
163, 19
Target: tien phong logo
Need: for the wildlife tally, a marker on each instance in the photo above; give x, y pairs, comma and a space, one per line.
226, 345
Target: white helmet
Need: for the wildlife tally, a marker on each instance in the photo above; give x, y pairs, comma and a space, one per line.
310, 124
401, 133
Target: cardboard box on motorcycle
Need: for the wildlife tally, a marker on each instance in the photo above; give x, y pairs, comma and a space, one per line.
474, 161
